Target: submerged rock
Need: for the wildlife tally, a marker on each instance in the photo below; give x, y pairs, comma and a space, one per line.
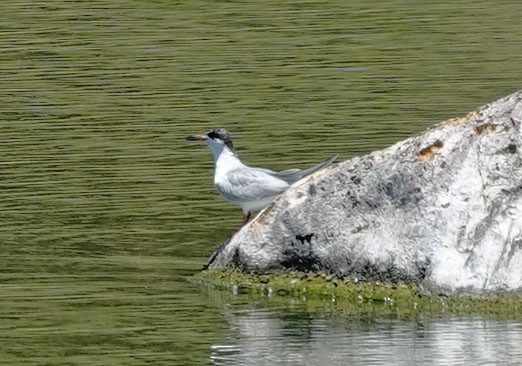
442, 209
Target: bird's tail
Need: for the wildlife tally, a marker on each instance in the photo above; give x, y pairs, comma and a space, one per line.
293, 175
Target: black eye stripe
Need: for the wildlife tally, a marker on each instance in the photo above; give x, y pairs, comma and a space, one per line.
223, 135
219, 134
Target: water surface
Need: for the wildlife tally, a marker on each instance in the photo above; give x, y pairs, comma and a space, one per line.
106, 211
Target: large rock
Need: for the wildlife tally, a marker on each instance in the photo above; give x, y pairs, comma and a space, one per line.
442, 209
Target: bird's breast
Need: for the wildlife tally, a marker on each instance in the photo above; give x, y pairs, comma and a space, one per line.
226, 190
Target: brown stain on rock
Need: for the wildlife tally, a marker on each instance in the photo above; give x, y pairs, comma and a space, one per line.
263, 215
428, 151
486, 127
457, 120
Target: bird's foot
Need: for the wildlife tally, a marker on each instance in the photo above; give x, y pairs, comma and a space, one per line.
245, 219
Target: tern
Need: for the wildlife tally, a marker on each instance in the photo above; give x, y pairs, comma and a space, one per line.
250, 188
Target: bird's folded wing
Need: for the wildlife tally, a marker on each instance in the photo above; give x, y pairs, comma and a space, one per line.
286, 172
253, 184
293, 175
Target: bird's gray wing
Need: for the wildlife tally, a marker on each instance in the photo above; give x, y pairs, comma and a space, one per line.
293, 175
287, 172
250, 184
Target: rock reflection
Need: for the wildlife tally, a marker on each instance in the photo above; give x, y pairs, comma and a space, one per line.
266, 337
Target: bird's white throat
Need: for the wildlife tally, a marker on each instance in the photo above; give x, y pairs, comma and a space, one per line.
225, 160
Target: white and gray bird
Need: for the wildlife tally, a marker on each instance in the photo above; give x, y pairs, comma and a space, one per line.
250, 188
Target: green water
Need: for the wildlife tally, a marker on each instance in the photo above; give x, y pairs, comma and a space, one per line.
105, 210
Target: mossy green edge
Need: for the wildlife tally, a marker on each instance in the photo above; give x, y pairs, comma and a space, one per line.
402, 298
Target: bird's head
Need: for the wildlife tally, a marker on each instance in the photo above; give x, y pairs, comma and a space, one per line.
215, 138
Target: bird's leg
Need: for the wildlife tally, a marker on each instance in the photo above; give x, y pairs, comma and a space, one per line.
245, 219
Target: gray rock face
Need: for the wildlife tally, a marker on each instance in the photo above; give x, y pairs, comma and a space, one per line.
442, 209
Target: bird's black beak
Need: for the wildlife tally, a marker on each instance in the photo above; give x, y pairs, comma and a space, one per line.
196, 138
